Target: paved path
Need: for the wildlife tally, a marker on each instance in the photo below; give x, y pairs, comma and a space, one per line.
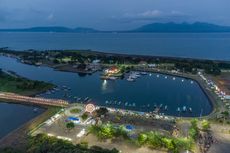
32, 100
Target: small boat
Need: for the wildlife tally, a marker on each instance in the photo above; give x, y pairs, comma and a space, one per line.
106, 102
130, 79
166, 107
87, 98
178, 109
166, 77
190, 109
134, 105
174, 78
144, 73
126, 103
155, 105
191, 82
182, 80
35, 110
148, 105
119, 102
184, 108
161, 105
158, 76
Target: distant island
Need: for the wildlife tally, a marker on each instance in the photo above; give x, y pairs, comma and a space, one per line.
170, 27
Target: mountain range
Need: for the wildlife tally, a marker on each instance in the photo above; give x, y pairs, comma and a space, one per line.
170, 27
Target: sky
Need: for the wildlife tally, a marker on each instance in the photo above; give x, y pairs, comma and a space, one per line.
110, 14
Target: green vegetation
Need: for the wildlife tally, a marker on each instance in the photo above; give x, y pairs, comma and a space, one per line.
84, 116
205, 125
75, 110
16, 84
44, 144
108, 131
194, 130
157, 140
152, 140
84, 57
101, 111
70, 125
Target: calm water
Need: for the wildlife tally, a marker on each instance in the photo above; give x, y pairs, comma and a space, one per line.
195, 45
12, 116
145, 92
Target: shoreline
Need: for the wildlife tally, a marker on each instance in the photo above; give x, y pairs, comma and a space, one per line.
22, 131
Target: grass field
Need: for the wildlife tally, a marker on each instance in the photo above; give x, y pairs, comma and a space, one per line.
21, 85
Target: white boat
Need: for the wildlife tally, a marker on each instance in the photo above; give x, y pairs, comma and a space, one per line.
184, 108
166, 107
178, 109
130, 79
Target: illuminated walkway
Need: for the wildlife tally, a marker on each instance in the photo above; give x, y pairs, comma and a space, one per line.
32, 100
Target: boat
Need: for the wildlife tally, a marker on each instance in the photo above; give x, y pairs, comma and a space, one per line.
166, 107
161, 105
134, 105
174, 78
106, 102
178, 109
155, 105
158, 76
130, 79
144, 73
35, 110
126, 103
184, 108
87, 98
190, 109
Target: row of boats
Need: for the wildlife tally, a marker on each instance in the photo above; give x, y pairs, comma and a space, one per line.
134, 75
157, 108
184, 109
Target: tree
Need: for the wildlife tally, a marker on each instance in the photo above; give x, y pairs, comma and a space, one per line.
205, 125
70, 125
101, 111
142, 138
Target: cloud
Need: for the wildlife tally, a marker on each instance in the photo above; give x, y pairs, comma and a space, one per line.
154, 16
50, 16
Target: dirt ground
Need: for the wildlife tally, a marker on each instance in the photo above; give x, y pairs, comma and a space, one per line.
223, 81
221, 134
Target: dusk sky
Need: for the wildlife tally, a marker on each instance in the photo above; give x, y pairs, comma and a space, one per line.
110, 14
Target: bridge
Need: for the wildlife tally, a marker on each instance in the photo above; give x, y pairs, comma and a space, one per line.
32, 100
